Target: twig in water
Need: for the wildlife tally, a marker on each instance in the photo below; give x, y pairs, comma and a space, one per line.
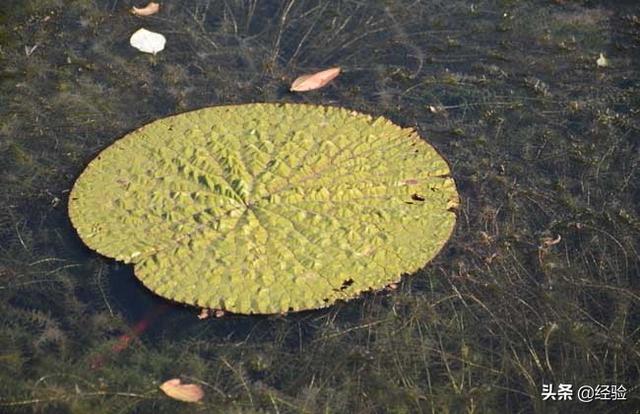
283, 19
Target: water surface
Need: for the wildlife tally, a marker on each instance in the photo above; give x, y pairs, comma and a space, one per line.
538, 285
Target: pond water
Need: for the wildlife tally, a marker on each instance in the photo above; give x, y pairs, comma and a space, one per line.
535, 105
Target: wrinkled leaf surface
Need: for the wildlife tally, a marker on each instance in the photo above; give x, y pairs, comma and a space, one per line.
266, 208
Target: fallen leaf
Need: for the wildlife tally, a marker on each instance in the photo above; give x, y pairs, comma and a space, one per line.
147, 41
602, 61
314, 81
148, 10
182, 392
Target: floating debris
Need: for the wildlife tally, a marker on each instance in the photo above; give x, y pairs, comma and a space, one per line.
147, 41
148, 10
204, 313
182, 392
602, 61
314, 81
28, 50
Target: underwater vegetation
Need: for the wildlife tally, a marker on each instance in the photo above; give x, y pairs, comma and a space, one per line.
538, 284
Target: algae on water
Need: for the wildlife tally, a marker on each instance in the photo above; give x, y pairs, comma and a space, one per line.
267, 208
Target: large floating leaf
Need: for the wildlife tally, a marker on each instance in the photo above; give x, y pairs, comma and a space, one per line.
266, 208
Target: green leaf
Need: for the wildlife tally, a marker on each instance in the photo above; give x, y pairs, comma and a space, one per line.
267, 208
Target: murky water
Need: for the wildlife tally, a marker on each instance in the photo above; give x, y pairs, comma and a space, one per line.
538, 286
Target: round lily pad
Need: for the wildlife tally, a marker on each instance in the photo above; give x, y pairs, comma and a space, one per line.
267, 208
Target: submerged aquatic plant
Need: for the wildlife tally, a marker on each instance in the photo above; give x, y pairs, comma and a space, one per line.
267, 208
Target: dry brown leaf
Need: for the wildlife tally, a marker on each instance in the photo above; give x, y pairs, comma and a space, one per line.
182, 392
148, 10
314, 80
